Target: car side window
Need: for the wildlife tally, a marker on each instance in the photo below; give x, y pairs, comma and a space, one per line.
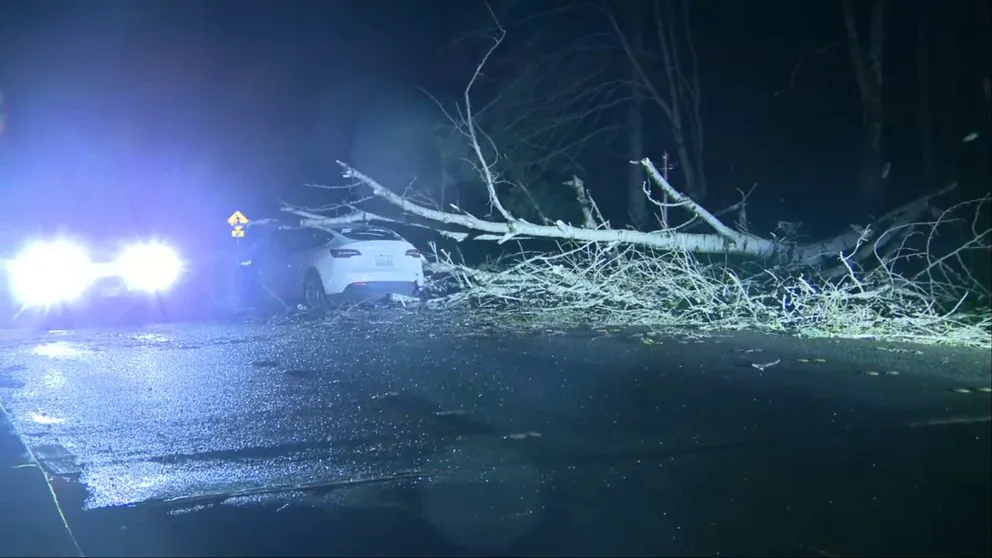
298, 240
314, 239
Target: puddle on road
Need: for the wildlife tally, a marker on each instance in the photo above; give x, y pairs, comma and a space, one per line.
39, 418
151, 338
10, 383
266, 363
60, 350
56, 459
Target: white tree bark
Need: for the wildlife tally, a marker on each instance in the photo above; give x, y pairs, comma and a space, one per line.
723, 239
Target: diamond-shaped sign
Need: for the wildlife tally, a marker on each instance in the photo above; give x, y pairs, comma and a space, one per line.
237, 218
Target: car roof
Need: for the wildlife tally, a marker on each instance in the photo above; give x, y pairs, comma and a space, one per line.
346, 230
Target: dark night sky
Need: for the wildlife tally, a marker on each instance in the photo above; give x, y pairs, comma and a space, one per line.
187, 110
232, 97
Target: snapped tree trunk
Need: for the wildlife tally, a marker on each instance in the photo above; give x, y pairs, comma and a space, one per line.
868, 71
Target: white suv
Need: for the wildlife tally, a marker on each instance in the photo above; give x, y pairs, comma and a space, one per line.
352, 263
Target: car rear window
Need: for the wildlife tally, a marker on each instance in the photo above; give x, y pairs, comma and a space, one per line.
365, 233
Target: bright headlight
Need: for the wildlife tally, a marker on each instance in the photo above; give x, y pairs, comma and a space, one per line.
149, 267
49, 273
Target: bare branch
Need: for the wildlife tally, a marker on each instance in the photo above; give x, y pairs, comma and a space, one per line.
544, 112
681, 102
795, 69
592, 218
472, 132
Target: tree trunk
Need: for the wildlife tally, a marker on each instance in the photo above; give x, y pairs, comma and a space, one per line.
868, 70
724, 240
637, 207
923, 65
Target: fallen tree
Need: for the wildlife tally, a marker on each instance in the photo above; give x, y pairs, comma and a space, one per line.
870, 281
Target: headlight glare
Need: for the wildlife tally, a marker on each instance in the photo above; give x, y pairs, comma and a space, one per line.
149, 267
48, 273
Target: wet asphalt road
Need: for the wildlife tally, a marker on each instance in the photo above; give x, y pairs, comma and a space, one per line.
372, 438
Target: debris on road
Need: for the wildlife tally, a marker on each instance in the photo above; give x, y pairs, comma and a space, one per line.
522, 436
452, 413
765, 365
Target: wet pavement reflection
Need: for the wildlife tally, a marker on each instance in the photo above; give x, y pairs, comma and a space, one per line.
374, 439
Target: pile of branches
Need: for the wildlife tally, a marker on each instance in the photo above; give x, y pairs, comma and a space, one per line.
886, 280
603, 285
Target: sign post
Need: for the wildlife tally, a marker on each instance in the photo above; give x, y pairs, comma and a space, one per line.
237, 220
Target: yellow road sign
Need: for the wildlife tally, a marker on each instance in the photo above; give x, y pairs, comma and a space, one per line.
238, 232
237, 218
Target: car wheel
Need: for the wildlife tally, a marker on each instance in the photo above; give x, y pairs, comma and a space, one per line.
313, 293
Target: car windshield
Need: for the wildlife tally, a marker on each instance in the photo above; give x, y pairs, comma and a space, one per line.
368, 233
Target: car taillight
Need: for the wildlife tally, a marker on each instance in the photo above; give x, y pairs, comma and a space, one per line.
413, 253
335, 253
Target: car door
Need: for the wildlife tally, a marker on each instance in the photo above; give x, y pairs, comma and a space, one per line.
294, 251
312, 247
273, 260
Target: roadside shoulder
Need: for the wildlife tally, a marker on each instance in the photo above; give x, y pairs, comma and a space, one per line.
30, 519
